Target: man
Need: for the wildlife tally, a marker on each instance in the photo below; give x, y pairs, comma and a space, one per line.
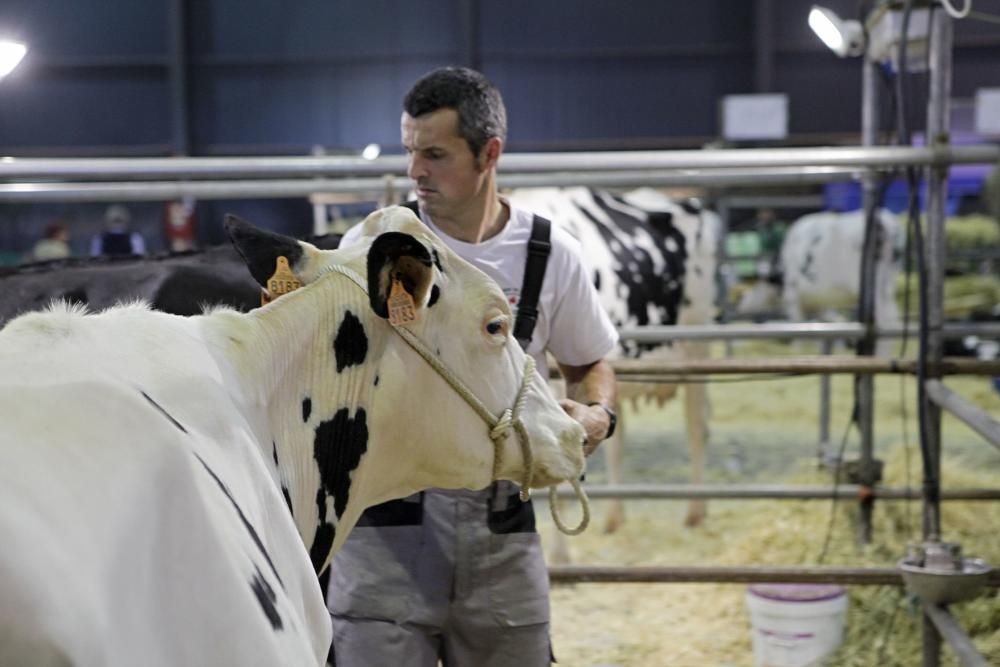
459, 576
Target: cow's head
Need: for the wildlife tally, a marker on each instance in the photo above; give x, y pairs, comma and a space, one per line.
368, 384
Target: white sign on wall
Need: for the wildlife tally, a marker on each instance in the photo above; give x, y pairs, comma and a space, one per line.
761, 116
988, 111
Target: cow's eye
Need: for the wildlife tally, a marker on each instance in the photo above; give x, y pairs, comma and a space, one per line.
497, 327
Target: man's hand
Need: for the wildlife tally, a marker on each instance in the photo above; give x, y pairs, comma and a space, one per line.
594, 420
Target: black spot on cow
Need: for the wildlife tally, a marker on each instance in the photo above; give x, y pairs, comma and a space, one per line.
246, 523
337, 448
437, 260
307, 408
266, 597
659, 291
274, 452
435, 295
288, 499
325, 532
376, 380
692, 206
163, 412
351, 344
321, 545
661, 221
597, 280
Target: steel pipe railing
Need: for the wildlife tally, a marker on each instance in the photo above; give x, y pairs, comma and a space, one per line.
806, 330
971, 415
627, 369
966, 652
768, 491
54, 191
572, 574
12, 168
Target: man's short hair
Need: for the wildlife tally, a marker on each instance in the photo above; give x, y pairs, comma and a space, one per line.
481, 113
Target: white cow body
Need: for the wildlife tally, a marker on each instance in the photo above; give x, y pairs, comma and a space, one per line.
821, 269
150, 460
654, 263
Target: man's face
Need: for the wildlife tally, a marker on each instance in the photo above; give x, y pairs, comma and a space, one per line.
447, 177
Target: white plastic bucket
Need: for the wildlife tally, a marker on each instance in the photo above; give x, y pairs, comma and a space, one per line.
795, 625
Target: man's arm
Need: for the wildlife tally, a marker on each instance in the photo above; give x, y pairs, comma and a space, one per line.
592, 383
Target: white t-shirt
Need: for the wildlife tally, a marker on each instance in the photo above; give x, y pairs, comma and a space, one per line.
571, 324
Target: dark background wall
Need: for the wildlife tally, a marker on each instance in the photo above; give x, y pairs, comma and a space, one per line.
258, 77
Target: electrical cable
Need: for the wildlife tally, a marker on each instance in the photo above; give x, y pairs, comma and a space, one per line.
930, 481
836, 484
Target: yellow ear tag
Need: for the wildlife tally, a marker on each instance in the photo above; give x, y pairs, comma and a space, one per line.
401, 310
281, 282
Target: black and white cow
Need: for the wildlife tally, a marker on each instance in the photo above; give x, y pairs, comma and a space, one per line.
181, 283
171, 485
654, 263
820, 268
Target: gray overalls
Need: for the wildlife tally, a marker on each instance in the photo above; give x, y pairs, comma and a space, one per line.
452, 575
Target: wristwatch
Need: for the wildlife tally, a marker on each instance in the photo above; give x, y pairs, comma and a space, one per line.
612, 418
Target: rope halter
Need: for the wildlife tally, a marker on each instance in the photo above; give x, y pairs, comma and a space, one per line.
500, 426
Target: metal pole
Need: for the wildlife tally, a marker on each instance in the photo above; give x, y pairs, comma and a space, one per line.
723, 269
938, 123
946, 626
972, 416
767, 492
826, 451
805, 330
868, 471
749, 160
306, 186
630, 369
938, 126
565, 574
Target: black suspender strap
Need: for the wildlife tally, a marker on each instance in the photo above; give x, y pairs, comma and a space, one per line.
539, 246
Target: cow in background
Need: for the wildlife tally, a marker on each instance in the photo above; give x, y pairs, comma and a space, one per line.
171, 486
654, 263
178, 283
820, 270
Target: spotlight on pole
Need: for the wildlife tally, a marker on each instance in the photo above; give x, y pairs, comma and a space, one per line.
11, 54
845, 38
371, 151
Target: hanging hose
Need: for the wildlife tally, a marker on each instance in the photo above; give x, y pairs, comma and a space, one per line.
931, 483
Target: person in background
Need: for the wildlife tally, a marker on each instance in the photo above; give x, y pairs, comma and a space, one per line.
460, 576
117, 239
54, 243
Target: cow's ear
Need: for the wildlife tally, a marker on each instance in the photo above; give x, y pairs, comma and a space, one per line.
260, 249
395, 256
